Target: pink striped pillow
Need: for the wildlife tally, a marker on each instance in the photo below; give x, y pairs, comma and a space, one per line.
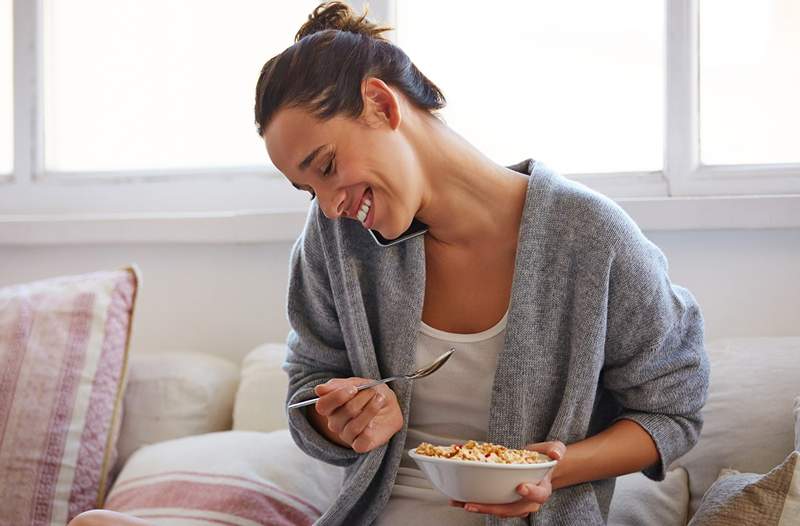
63, 354
228, 477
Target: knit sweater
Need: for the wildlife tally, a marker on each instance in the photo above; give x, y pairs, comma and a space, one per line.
596, 332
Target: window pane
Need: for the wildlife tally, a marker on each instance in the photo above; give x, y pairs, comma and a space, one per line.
6, 88
749, 81
139, 84
578, 84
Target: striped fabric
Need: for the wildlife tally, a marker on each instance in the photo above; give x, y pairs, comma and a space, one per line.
237, 478
188, 498
63, 353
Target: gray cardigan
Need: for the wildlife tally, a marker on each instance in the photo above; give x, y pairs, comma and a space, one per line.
596, 332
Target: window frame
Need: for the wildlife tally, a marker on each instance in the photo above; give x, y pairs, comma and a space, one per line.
37, 206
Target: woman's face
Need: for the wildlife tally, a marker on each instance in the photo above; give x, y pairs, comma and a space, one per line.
352, 164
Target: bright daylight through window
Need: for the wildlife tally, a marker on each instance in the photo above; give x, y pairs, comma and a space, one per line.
158, 85
749, 81
6, 88
577, 83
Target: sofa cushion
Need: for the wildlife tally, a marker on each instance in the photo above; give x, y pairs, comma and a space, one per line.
261, 398
742, 499
639, 500
173, 394
63, 351
231, 477
748, 417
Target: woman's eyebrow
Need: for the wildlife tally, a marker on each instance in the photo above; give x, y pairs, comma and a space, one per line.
310, 158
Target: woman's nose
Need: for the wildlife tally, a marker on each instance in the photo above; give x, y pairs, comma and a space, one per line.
334, 206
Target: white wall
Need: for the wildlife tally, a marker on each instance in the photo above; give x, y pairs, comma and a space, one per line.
228, 298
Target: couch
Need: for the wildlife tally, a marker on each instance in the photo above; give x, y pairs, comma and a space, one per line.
203, 438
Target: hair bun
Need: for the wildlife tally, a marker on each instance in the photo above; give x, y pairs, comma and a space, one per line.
339, 16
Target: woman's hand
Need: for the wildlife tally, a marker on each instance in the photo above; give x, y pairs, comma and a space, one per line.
533, 495
364, 419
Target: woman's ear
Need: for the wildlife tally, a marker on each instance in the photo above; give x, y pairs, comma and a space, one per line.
381, 105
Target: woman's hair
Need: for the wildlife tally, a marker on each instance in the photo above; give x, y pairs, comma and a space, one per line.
322, 71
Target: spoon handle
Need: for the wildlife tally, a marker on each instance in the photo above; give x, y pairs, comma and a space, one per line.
358, 388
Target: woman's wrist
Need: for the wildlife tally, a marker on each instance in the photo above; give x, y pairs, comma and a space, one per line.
624, 447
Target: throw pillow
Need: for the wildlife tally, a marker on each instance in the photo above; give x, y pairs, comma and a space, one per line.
747, 498
230, 477
261, 398
63, 353
173, 394
639, 500
748, 417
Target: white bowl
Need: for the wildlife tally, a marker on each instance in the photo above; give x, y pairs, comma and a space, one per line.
479, 482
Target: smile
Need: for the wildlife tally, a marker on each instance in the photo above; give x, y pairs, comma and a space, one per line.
364, 210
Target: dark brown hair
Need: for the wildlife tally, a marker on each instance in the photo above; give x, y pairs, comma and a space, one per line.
323, 70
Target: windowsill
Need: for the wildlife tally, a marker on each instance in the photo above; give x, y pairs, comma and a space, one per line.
267, 226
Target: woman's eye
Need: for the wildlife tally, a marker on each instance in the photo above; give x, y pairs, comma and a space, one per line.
328, 168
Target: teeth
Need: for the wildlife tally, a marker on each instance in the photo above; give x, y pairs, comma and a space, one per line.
364, 210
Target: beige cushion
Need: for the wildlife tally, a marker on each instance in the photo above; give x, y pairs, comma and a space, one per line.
262, 390
639, 500
748, 416
744, 499
174, 394
231, 477
63, 353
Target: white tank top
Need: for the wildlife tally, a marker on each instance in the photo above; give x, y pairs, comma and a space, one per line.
452, 404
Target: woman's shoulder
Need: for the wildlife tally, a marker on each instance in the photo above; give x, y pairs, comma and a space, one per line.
571, 212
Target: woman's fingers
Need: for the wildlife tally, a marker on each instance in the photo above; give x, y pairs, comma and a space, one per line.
366, 419
358, 424
332, 400
340, 416
538, 493
554, 449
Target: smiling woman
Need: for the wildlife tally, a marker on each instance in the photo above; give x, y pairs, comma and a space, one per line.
566, 324
334, 84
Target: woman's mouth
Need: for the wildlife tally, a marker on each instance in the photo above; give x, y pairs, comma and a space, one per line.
365, 214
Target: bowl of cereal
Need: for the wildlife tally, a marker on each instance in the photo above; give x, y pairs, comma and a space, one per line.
480, 472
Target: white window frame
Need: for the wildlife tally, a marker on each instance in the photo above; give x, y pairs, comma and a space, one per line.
249, 204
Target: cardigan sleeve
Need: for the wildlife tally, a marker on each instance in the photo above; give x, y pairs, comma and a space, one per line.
655, 365
315, 347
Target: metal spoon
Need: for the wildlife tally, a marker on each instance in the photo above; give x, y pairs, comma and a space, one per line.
419, 373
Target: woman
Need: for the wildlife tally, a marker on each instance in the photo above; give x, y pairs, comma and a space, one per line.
570, 338
567, 327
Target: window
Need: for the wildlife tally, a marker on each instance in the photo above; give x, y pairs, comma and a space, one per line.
136, 115
749, 81
579, 83
6, 88
147, 84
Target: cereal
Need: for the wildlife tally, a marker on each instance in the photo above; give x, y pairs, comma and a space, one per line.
482, 452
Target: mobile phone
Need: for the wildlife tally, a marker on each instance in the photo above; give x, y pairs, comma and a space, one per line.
417, 228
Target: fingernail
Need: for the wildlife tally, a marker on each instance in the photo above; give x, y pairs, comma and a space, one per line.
352, 390
471, 508
524, 490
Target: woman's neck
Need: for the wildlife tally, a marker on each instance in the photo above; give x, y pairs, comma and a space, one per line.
468, 200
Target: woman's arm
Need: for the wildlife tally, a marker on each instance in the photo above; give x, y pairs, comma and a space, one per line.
316, 351
624, 447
